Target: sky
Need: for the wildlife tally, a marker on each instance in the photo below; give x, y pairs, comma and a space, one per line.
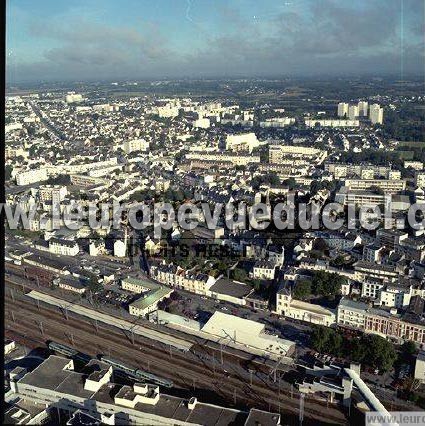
57, 40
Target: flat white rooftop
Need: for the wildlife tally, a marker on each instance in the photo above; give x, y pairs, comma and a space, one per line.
230, 328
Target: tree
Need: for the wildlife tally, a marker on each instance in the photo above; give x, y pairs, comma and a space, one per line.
93, 283
380, 352
322, 339
290, 183
302, 289
8, 172
409, 348
327, 284
320, 245
239, 274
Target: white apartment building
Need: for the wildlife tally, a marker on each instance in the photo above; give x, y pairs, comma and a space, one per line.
353, 112
363, 108
342, 109
416, 165
53, 193
277, 122
63, 247
120, 247
303, 311
264, 270
236, 159
168, 111
395, 296
376, 114
361, 198
312, 122
371, 287
175, 276
31, 176
72, 97
202, 123
135, 145
242, 142
279, 153
420, 179
103, 171
351, 314
387, 185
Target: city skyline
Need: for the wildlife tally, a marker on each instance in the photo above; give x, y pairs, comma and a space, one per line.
53, 41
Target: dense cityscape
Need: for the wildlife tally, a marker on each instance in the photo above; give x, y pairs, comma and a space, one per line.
214, 251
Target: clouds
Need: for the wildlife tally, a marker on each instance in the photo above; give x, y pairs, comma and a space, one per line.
298, 37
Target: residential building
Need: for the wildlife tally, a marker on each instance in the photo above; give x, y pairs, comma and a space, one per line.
387, 186
310, 122
63, 246
351, 314
242, 142
31, 176
132, 145
264, 270
303, 311
174, 276
376, 114
363, 108
353, 112
342, 109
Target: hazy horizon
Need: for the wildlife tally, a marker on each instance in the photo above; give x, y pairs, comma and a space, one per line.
139, 40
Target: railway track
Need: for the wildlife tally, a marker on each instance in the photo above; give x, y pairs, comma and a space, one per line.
201, 344
183, 372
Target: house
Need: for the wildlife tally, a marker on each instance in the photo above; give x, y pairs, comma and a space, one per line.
264, 270
63, 246
71, 283
351, 314
303, 311
152, 293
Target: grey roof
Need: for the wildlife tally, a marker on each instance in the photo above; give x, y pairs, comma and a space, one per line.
231, 288
352, 304
263, 418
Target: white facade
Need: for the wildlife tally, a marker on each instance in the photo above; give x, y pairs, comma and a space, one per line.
376, 114
351, 314
31, 176
63, 247
342, 109
363, 108
310, 122
303, 311
353, 112
242, 142
202, 123
135, 145
71, 98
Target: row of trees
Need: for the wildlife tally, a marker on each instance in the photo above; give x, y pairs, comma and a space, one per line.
370, 350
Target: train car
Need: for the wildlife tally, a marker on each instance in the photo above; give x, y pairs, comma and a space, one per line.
62, 349
68, 351
154, 379
137, 373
